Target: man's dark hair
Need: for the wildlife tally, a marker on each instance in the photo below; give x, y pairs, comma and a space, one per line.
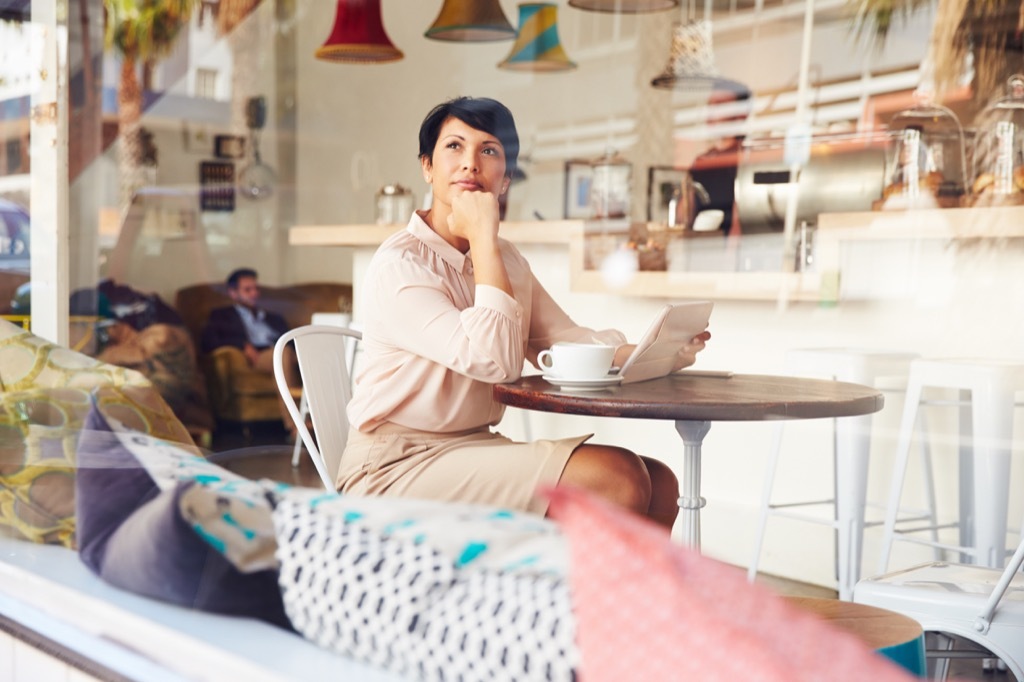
238, 274
482, 113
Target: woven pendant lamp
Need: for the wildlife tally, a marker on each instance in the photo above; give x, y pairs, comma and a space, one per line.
471, 21
537, 47
691, 61
624, 6
358, 36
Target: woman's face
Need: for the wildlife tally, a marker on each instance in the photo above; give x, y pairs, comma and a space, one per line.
465, 160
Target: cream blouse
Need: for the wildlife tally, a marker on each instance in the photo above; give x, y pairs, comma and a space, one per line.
434, 341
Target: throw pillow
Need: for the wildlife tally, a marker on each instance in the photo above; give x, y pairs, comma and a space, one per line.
39, 430
145, 524
45, 396
417, 603
648, 609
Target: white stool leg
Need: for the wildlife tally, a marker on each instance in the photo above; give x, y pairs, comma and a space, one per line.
766, 499
853, 445
924, 450
965, 475
993, 428
899, 470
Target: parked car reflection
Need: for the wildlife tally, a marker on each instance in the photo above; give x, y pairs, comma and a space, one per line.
15, 239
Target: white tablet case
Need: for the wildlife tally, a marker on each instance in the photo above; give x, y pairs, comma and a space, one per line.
656, 353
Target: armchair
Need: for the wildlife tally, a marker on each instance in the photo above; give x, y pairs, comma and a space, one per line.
238, 394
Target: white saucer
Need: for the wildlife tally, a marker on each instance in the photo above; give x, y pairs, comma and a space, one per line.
584, 384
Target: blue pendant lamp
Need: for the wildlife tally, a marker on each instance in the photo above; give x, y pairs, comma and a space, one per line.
537, 47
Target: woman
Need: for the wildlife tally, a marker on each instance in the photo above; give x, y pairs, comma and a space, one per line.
451, 309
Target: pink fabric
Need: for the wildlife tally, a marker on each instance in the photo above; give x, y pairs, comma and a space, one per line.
434, 342
648, 609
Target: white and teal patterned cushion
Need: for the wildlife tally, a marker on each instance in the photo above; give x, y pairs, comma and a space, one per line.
230, 512
425, 589
467, 534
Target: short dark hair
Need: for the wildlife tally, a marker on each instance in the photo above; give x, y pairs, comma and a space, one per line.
238, 274
482, 113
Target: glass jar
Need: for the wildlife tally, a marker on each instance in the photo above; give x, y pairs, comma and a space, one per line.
611, 186
394, 204
926, 161
999, 149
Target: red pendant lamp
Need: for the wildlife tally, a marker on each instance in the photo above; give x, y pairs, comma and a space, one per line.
358, 36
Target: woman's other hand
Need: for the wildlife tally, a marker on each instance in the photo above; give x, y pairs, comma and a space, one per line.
474, 217
688, 354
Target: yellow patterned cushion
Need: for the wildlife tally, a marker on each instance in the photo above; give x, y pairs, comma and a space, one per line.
45, 397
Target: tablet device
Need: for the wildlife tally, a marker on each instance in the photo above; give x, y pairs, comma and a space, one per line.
655, 355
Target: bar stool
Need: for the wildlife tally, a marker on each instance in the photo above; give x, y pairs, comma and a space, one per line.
852, 442
987, 400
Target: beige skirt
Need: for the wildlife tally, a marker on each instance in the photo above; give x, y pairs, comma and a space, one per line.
477, 466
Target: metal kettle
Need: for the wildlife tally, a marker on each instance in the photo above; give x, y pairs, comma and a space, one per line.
687, 197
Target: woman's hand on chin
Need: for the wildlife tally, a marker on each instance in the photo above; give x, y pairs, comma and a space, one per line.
474, 216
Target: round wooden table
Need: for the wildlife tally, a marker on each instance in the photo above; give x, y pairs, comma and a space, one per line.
693, 402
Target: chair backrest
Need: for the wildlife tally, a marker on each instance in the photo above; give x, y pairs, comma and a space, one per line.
322, 354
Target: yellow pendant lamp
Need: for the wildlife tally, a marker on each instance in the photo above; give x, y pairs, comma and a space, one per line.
472, 21
358, 36
537, 47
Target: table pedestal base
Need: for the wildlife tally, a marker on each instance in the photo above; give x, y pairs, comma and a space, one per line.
690, 501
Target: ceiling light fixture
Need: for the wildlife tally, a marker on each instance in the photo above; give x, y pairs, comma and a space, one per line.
358, 36
471, 21
624, 6
537, 47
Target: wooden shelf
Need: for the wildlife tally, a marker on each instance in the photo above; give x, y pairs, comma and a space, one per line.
924, 223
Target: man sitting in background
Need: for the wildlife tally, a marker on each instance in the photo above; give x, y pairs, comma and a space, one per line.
251, 329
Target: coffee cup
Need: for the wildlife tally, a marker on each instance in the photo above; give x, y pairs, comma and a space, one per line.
577, 361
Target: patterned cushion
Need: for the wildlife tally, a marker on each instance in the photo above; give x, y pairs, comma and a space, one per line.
45, 397
433, 591
649, 609
157, 520
28, 361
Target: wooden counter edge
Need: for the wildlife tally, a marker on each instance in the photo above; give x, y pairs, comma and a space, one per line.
529, 232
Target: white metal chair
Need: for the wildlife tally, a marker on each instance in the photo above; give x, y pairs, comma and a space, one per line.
322, 354
959, 601
988, 388
852, 444
330, 320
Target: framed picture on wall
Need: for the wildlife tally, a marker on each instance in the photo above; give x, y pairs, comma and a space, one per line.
579, 179
662, 183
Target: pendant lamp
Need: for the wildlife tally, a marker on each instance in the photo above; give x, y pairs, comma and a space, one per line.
471, 21
358, 36
537, 47
691, 62
624, 6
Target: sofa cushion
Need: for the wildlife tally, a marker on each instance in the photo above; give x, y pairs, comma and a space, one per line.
649, 609
157, 520
45, 397
427, 589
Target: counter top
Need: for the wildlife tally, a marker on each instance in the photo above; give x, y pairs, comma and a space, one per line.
925, 223
820, 284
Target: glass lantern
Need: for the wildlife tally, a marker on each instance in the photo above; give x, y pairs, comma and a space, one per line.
611, 186
926, 163
999, 149
394, 204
